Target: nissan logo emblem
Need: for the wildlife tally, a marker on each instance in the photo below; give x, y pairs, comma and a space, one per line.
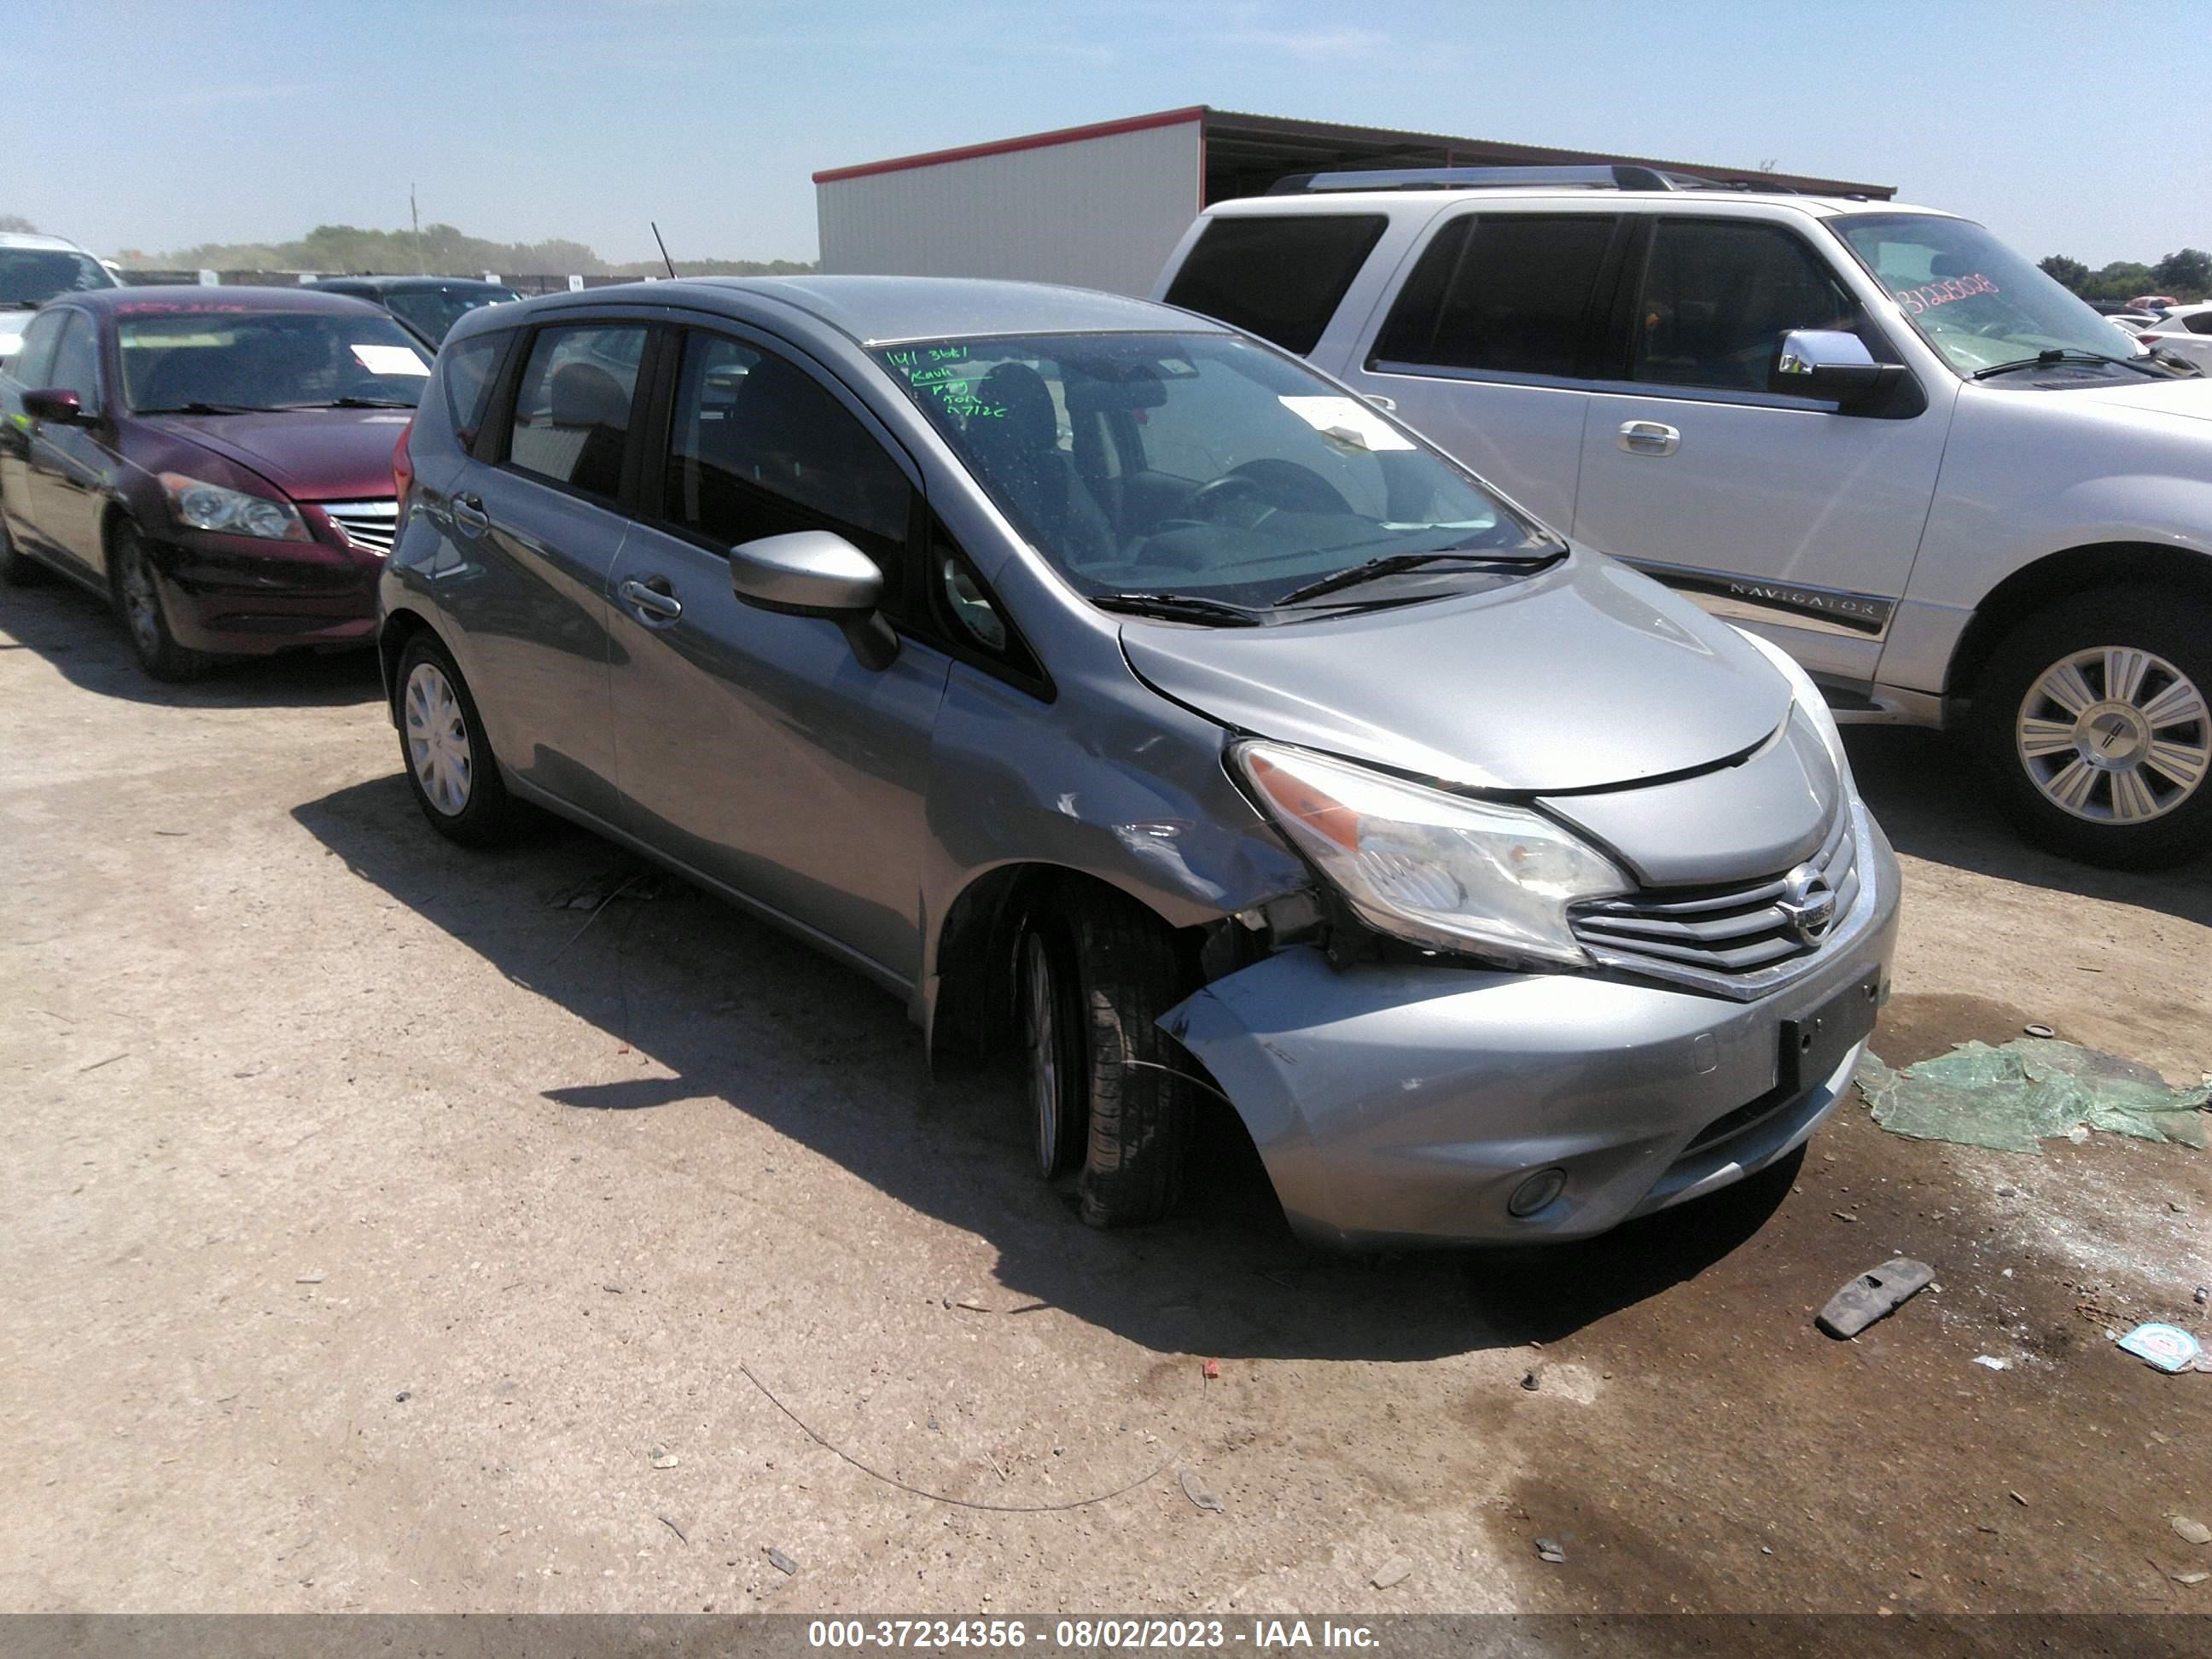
1808, 904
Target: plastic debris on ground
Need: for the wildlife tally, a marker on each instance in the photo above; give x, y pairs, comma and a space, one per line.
2166, 1346
2030, 1090
1874, 1294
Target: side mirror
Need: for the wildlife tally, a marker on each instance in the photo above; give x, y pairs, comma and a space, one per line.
818, 573
56, 405
1828, 364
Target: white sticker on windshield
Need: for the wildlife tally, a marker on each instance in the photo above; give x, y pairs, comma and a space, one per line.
389, 360
1348, 420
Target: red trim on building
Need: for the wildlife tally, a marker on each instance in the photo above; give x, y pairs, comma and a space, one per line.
1169, 117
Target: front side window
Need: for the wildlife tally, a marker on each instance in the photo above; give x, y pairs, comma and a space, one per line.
1514, 294
759, 448
1198, 465
572, 410
1976, 301
1280, 278
76, 361
219, 361
1719, 296
32, 276
35, 356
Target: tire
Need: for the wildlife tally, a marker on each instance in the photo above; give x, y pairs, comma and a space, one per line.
1105, 969
448, 760
17, 569
2092, 719
145, 616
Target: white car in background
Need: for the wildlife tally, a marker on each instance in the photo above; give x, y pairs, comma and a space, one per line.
2185, 331
33, 269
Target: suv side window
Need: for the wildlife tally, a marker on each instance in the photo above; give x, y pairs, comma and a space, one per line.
1718, 295
572, 411
1515, 294
1281, 279
756, 447
36, 354
76, 361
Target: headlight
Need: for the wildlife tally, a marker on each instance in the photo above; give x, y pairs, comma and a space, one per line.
200, 506
1807, 696
1438, 870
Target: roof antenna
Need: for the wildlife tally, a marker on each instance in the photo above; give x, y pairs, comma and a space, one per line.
664, 260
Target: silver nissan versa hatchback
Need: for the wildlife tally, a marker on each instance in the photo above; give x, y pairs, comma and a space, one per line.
1112, 686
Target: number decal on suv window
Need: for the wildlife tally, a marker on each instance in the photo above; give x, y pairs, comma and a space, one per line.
1917, 300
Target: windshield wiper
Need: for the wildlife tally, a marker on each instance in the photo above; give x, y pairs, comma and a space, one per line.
2064, 355
198, 407
1179, 606
351, 402
1374, 569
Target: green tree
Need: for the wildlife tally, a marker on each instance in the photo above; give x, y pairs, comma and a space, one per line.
2187, 274
2122, 279
2067, 273
16, 222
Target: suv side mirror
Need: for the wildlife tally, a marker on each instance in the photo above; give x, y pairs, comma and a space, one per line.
818, 573
1829, 363
58, 404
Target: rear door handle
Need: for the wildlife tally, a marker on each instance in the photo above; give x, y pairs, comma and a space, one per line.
469, 513
652, 600
1649, 438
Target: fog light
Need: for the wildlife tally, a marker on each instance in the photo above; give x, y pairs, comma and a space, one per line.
1538, 1190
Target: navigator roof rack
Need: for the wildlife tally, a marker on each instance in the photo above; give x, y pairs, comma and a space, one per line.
1618, 175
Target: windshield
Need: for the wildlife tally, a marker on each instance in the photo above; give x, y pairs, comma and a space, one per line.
1973, 299
433, 311
222, 361
32, 275
1196, 464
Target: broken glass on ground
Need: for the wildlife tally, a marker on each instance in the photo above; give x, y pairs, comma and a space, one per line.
2010, 1097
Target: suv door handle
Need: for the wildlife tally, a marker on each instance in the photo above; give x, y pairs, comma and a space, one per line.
652, 600
469, 513
1649, 438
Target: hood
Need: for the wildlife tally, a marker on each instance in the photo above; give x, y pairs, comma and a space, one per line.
311, 454
2190, 399
1585, 675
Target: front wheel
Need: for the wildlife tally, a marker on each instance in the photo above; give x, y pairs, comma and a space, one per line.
450, 766
145, 615
2092, 720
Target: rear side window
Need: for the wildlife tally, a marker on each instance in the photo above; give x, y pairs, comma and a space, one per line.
1719, 296
468, 371
1281, 279
572, 410
1512, 294
2199, 322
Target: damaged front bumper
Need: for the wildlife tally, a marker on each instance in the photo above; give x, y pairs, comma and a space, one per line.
1425, 1104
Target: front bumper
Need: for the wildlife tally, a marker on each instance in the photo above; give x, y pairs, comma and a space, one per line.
237, 595
1400, 1105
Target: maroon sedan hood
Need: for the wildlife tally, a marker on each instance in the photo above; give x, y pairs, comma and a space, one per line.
311, 454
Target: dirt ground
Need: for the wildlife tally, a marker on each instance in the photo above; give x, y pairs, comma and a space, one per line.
377, 1235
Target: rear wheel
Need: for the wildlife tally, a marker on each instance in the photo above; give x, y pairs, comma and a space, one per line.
145, 616
1109, 1090
450, 766
2093, 719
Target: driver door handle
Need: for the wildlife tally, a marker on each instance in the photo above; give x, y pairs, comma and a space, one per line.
652, 600
1649, 438
469, 513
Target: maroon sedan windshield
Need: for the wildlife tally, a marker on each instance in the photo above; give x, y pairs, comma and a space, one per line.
231, 362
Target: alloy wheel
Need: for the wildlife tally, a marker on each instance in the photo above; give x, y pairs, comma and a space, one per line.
438, 740
142, 605
2114, 735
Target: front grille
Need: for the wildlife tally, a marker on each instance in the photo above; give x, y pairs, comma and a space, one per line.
1725, 937
367, 525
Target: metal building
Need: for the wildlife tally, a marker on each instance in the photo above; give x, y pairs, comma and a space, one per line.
1102, 206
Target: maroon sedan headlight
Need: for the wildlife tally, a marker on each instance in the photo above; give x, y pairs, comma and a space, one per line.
199, 505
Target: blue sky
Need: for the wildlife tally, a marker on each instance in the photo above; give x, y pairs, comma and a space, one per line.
155, 124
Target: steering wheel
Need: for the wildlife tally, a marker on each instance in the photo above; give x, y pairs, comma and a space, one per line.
1228, 486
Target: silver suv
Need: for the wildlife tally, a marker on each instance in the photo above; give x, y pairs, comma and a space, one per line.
1872, 433
1108, 684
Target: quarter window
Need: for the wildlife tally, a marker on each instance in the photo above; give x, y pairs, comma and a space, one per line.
1281, 279
1719, 295
468, 371
759, 448
572, 411
1513, 294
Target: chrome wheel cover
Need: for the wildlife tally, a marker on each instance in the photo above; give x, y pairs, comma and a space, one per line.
2114, 735
142, 605
438, 740
1040, 1035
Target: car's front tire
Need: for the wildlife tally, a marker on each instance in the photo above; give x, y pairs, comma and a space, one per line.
1107, 1089
2092, 718
145, 615
450, 766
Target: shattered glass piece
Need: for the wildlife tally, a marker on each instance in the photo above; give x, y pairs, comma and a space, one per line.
2030, 1090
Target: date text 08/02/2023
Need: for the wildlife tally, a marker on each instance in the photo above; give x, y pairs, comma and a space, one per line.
1258, 1635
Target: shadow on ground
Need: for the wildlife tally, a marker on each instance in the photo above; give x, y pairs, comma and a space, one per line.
81, 635
740, 1013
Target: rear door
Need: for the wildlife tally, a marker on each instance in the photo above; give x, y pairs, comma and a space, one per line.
538, 517
754, 747
1488, 344
1775, 511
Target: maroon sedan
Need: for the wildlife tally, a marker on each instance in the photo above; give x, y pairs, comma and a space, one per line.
216, 461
